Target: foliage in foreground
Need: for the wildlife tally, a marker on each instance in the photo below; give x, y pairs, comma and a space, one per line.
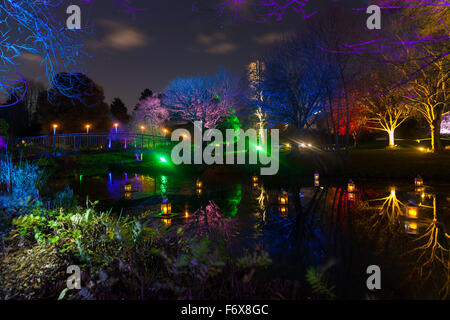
131, 258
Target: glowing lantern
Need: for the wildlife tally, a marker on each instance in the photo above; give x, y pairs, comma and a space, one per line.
88, 126
351, 186
127, 187
412, 211
167, 222
199, 183
283, 198
199, 191
166, 207
316, 179
418, 181
255, 178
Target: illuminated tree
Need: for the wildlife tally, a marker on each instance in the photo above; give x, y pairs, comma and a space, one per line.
386, 109
255, 78
150, 113
358, 120
202, 98
428, 92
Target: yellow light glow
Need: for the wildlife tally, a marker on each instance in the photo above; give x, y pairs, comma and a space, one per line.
283, 211
55, 126
351, 186
116, 125
351, 197
166, 207
412, 212
283, 198
418, 181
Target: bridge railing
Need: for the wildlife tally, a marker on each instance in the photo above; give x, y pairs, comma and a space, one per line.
79, 142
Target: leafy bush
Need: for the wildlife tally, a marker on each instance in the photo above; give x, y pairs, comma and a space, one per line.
137, 258
20, 183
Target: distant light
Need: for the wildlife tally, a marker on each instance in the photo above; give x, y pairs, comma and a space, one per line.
116, 125
55, 126
162, 159
309, 145
259, 148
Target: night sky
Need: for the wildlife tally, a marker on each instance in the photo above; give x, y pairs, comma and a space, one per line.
170, 38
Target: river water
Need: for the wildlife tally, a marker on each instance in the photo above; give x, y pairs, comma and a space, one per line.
403, 229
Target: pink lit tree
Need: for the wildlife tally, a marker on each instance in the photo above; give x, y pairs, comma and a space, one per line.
203, 98
151, 114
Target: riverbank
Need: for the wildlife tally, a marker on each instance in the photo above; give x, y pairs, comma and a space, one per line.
399, 163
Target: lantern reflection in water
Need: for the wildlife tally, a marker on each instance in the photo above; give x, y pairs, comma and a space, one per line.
411, 227
283, 211
418, 181
350, 196
316, 180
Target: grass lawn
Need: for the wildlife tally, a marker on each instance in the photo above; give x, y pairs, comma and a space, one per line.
397, 163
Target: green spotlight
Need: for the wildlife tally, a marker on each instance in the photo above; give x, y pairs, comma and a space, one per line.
162, 159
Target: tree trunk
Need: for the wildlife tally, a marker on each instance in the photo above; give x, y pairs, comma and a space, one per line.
391, 138
435, 128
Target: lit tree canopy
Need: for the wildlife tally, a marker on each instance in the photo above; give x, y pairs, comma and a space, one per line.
203, 98
150, 113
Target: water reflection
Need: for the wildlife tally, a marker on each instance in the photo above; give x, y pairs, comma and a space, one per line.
401, 228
